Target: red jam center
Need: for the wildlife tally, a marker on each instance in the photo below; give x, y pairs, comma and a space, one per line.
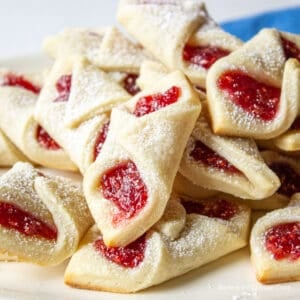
283, 241
149, 104
296, 124
124, 186
203, 56
291, 50
201, 153
101, 139
256, 98
45, 140
130, 85
19, 81
218, 208
63, 88
289, 178
129, 256
12, 217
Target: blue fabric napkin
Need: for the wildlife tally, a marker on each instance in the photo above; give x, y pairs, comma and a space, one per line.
284, 20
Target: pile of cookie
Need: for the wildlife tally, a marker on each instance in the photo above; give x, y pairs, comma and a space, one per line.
178, 133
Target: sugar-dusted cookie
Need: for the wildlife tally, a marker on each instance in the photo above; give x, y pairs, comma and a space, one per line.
189, 235
254, 91
42, 218
73, 83
18, 94
180, 34
227, 164
107, 48
129, 184
275, 244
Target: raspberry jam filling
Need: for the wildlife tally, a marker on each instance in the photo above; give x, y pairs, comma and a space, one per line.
12, 217
201, 153
256, 98
283, 241
19, 81
203, 56
291, 50
152, 103
219, 208
101, 139
45, 140
296, 124
124, 186
129, 256
289, 178
130, 85
63, 88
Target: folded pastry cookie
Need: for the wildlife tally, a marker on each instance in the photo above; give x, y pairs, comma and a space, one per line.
106, 48
254, 92
180, 34
42, 218
129, 184
189, 235
275, 244
80, 95
9, 153
229, 165
18, 100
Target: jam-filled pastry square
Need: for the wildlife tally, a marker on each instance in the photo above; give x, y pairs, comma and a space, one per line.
254, 91
19, 94
108, 49
180, 34
208, 161
275, 244
42, 218
129, 184
189, 235
84, 142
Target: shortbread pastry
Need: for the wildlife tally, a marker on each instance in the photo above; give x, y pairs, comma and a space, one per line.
83, 143
129, 184
180, 34
42, 218
210, 229
9, 153
275, 244
230, 165
18, 96
106, 48
254, 91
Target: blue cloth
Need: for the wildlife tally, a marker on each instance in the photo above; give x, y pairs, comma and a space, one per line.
284, 20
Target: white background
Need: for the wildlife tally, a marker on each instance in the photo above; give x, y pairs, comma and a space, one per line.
24, 23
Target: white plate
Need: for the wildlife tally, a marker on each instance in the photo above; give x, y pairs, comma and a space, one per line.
231, 277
